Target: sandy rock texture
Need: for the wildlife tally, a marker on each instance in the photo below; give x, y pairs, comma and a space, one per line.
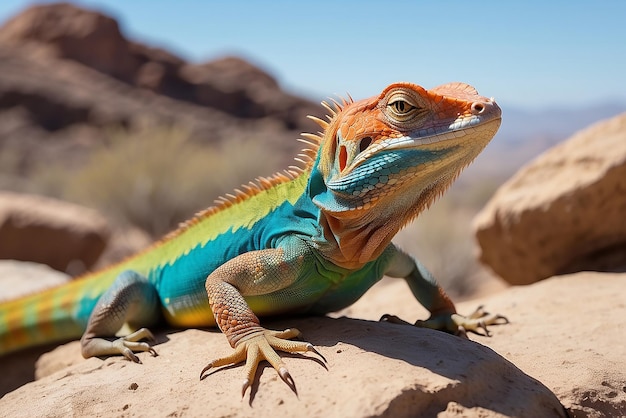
558, 349
563, 212
65, 236
373, 369
568, 332
20, 278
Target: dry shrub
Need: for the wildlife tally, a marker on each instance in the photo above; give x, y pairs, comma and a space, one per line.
157, 177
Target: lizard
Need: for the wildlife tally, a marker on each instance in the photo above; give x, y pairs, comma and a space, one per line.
309, 240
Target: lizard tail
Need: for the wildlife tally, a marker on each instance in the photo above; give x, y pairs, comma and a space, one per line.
54, 315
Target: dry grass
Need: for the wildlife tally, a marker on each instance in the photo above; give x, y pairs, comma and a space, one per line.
157, 177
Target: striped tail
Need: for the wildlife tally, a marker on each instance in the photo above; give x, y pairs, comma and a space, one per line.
54, 315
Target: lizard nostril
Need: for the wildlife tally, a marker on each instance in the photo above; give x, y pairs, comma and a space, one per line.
478, 108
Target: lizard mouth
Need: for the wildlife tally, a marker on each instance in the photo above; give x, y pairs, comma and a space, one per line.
480, 128
417, 156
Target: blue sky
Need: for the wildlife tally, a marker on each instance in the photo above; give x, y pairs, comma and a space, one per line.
532, 54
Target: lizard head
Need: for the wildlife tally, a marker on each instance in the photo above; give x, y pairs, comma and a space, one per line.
384, 159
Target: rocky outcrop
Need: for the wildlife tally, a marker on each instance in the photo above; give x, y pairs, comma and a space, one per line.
562, 212
557, 341
69, 79
373, 369
20, 278
567, 332
93, 39
65, 236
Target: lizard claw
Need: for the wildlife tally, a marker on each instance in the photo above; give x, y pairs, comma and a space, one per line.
455, 323
262, 345
479, 319
126, 346
244, 387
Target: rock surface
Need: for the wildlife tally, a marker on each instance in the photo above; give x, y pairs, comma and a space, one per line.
19, 278
563, 212
65, 236
567, 332
575, 348
374, 369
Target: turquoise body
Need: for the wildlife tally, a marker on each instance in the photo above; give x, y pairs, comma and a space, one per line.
177, 267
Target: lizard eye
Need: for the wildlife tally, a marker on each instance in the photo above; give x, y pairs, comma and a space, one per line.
401, 109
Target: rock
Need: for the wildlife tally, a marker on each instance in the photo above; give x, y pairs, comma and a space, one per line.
90, 38
241, 89
19, 278
65, 236
95, 40
567, 332
61, 110
574, 347
563, 212
374, 369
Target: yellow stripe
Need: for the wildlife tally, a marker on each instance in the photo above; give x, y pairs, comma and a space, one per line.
240, 215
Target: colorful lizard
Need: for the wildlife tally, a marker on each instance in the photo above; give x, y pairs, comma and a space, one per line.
310, 240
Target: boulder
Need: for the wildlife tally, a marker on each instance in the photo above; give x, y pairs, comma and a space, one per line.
65, 236
74, 33
373, 369
567, 332
20, 278
563, 212
575, 348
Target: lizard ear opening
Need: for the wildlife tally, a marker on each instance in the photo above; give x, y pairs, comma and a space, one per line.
365, 142
343, 157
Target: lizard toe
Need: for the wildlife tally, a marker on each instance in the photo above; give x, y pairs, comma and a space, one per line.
262, 345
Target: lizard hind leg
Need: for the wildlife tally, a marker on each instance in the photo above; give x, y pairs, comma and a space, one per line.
131, 302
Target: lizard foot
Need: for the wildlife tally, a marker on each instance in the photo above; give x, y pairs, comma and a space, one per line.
455, 323
262, 345
126, 346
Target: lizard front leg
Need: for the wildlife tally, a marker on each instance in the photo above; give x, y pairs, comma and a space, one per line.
133, 301
254, 273
443, 315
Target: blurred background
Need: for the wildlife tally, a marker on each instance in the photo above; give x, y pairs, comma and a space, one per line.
147, 111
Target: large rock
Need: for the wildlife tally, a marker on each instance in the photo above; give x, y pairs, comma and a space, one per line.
563, 212
57, 103
374, 369
20, 278
567, 332
74, 33
574, 347
65, 236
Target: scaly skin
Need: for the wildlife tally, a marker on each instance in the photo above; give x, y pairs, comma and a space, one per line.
311, 240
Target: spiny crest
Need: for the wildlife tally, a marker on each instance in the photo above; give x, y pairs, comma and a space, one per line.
244, 192
305, 160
